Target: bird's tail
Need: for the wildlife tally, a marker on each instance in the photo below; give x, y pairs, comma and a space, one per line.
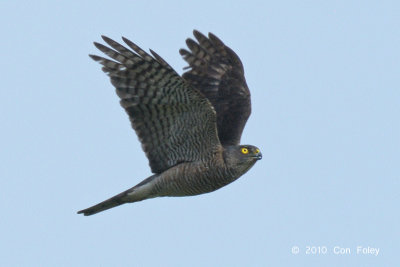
137, 193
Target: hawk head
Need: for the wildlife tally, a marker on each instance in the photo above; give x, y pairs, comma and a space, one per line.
242, 157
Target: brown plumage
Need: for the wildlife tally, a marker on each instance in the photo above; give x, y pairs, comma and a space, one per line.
189, 126
217, 72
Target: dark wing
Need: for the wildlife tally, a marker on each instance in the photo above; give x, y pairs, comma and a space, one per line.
218, 73
175, 123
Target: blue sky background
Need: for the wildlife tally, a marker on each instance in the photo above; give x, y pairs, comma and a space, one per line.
324, 78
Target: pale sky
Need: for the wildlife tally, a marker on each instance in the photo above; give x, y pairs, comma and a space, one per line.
324, 79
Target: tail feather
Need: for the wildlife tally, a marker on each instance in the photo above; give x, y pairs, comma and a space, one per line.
105, 205
137, 193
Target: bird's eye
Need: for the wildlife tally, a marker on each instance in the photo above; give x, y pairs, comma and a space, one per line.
257, 150
245, 150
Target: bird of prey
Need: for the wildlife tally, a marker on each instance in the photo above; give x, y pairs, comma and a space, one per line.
189, 126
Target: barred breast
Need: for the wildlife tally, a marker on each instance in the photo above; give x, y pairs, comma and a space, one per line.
193, 178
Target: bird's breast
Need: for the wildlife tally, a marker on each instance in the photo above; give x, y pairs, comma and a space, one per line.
193, 178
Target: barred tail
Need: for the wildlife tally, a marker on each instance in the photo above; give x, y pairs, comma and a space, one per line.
105, 205
139, 192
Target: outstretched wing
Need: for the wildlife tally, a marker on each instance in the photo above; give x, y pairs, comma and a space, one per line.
175, 123
218, 73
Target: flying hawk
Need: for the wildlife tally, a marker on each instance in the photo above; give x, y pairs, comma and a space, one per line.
190, 125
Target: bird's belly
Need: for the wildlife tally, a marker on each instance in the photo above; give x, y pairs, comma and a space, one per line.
190, 179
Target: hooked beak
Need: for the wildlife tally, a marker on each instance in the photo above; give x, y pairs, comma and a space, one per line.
258, 156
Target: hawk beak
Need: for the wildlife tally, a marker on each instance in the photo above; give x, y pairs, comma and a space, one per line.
258, 156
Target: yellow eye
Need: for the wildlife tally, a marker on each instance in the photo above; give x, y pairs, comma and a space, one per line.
245, 150
257, 151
